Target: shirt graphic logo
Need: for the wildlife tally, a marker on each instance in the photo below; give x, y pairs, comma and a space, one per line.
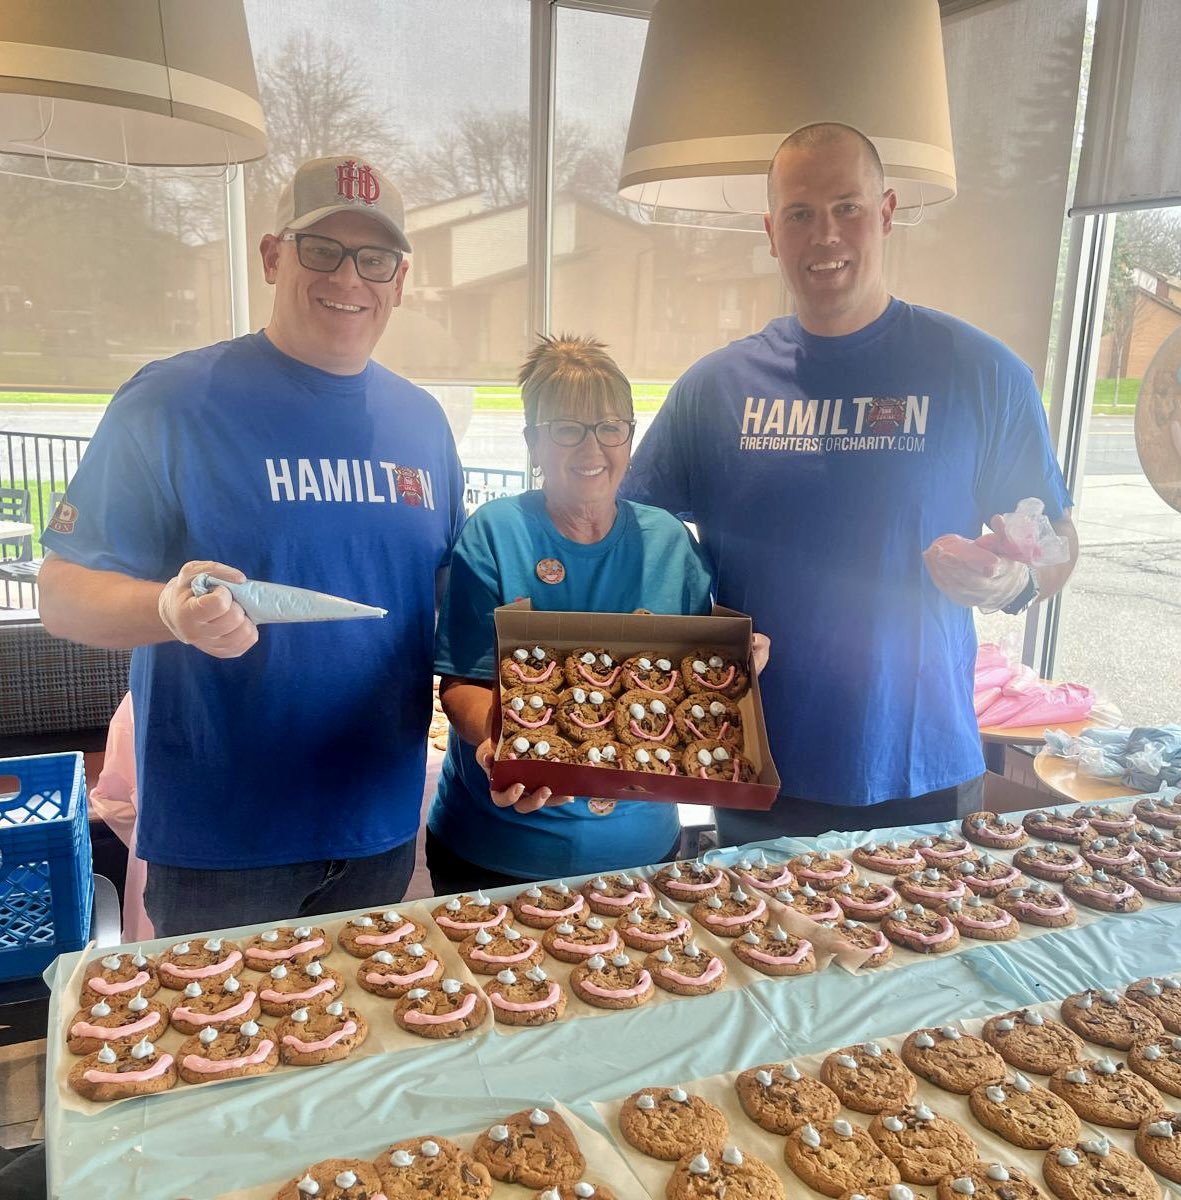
886, 414
64, 518
355, 182
409, 485
836, 425
349, 481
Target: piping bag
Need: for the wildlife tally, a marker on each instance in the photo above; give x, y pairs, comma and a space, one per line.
274, 603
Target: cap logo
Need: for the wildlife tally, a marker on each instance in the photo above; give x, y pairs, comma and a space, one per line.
355, 182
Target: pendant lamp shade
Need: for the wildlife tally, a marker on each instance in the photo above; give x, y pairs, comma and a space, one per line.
143, 82
721, 85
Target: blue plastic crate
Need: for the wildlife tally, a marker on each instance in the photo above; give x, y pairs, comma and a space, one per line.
46, 875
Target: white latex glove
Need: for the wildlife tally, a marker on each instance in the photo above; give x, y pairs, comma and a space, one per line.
515, 795
214, 623
988, 590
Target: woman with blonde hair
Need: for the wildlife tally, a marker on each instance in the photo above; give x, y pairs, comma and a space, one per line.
571, 545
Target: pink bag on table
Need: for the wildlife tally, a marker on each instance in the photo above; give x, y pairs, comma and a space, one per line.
1038, 704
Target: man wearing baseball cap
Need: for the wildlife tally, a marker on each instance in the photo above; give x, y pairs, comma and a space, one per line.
280, 769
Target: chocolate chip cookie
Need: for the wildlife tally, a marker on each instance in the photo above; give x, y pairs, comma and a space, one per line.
686, 970
991, 829
836, 1158
921, 930
921, 1144
533, 1147
733, 1174
954, 1061
868, 1078
1158, 1142
989, 1181
775, 951
426, 1166
1023, 1113
545, 904
1159, 1062
1106, 1092
668, 1123
1105, 1017
780, 1098
1094, 1169
1161, 995
1030, 1042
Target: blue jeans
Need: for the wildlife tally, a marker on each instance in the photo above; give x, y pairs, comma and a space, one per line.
809, 818
187, 900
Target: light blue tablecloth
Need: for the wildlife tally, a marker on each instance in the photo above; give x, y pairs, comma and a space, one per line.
203, 1142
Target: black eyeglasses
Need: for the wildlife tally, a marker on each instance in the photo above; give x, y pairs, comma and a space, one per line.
565, 432
374, 263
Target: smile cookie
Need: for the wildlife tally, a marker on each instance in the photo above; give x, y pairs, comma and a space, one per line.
295, 946
489, 952
285, 988
709, 716
535, 1148
392, 973
448, 1010
545, 904
653, 672
686, 970
532, 667
227, 1003
585, 714
115, 1072
616, 982
310, 1036
645, 718
709, 671
366, 934
118, 1021
594, 668
232, 1052
528, 997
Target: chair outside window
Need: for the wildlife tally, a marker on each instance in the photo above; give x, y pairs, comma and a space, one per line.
17, 564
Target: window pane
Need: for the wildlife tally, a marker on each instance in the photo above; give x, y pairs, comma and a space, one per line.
1121, 620
96, 280
436, 93
660, 296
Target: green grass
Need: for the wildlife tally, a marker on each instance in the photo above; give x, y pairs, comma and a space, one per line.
648, 397
54, 397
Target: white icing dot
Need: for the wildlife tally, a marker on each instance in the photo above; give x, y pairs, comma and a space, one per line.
193, 990
106, 1055
430, 1149
279, 971
346, 1179
732, 1156
699, 1165
538, 1117
300, 1015
451, 986
207, 1036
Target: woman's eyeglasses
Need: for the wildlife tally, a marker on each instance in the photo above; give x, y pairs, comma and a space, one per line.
564, 432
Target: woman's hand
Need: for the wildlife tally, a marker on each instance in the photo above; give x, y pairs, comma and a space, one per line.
760, 651
515, 795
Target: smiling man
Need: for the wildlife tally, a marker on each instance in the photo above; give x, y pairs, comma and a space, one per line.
819, 458
280, 770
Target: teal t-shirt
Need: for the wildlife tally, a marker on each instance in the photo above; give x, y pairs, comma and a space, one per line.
647, 560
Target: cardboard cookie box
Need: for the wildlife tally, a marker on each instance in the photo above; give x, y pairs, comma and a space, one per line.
623, 635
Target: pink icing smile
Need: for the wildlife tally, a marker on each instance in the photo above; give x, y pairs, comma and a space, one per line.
552, 997
384, 939
495, 919
325, 985
598, 683
535, 678
302, 1047
542, 720
951, 892
997, 922
648, 687
612, 943
703, 774
741, 918
153, 1072
218, 968
557, 913
643, 892
782, 880
483, 955
934, 852
797, 955
400, 980
809, 873
414, 1017
83, 1029
113, 989
720, 686
946, 930
645, 982
227, 1014
290, 952
645, 736
707, 976
207, 1066
677, 885
681, 929
590, 724
890, 900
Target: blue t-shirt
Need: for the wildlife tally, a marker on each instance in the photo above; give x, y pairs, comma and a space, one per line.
817, 470
648, 560
311, 745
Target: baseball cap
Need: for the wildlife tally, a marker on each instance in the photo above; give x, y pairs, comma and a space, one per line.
343, 183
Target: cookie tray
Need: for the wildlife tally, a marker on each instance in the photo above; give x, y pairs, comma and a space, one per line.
633, 633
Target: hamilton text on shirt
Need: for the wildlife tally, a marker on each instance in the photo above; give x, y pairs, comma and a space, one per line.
889, 423
349, 481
